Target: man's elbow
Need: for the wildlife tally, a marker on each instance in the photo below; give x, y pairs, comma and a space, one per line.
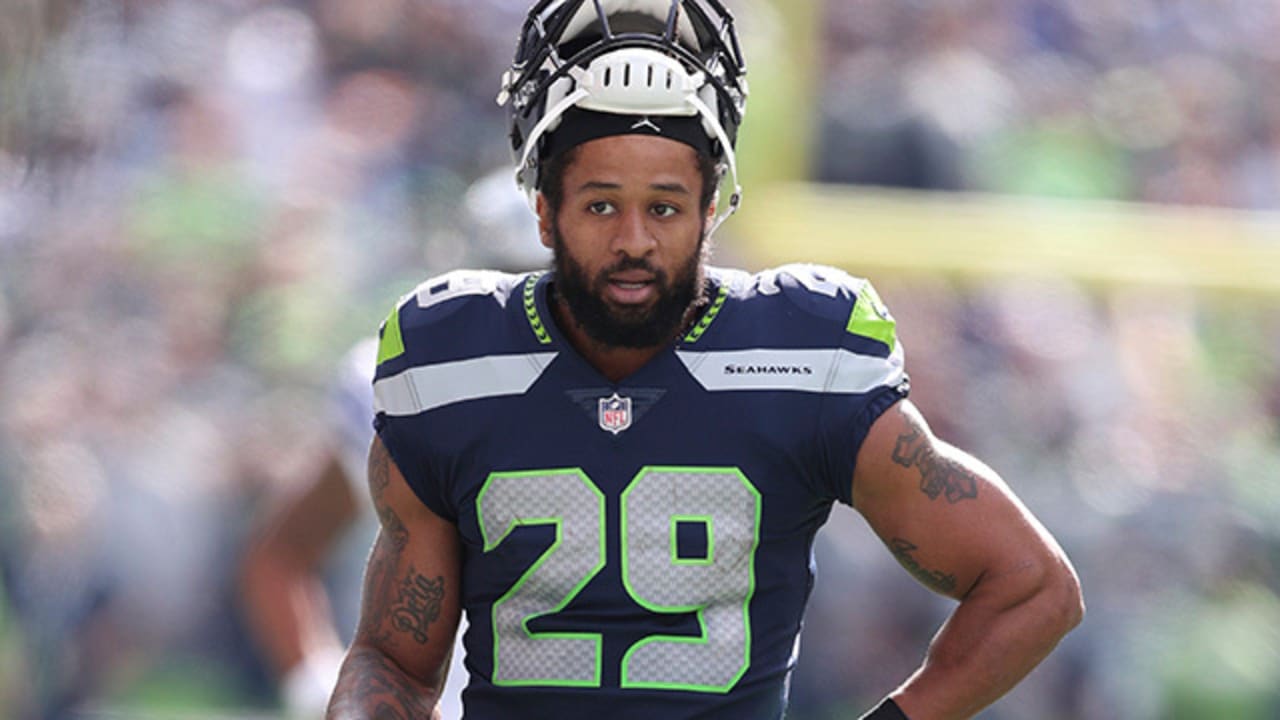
1049, 590
1064, 600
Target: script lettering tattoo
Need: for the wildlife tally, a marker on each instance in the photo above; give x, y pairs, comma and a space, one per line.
938, 475
418, 605
935, 579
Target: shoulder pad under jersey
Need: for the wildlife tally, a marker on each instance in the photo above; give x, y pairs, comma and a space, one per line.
833, 295
448, 318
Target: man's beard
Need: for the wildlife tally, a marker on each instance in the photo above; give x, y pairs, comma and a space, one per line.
641, 326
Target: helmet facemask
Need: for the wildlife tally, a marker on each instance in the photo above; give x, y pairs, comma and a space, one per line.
675, 58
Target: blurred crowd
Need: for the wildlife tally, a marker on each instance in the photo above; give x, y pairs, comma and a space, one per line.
1144, 100
204, 203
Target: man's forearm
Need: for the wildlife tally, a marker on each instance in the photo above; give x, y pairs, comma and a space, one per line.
372, 686
991, 641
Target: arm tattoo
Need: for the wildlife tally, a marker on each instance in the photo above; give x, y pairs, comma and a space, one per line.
371, 679
385, 712
380, 573
418, 605
398, 607
379, 480
934, 579
938, 475
379, 587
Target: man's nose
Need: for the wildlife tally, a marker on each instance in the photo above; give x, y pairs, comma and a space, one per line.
632, 236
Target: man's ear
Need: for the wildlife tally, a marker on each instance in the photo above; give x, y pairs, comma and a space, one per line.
545, 221
710, 218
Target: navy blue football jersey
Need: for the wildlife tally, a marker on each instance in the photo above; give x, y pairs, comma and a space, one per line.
640, 549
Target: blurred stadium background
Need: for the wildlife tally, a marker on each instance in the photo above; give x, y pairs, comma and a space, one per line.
1072, 207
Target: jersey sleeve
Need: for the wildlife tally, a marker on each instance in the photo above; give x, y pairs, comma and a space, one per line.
436, 326
396, 430
868, 375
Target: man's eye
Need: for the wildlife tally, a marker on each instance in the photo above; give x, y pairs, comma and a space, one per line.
600, 208
663, 210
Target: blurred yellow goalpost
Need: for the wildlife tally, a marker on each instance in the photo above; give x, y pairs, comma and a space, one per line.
869, 231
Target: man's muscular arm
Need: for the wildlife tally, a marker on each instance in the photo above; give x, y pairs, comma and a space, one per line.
396, 665
955, 526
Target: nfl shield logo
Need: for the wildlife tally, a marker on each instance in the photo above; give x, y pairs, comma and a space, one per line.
615, 413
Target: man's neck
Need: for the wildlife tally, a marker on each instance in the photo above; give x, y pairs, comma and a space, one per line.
614, 362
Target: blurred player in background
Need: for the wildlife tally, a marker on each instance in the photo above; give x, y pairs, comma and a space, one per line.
300, 621
617, 469
282, 576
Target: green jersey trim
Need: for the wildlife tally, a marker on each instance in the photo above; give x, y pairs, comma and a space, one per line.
871, 319
531, 310
391, 343
709, 317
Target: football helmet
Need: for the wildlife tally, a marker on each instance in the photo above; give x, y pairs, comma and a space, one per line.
626, 57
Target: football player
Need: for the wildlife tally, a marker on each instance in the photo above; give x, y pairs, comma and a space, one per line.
617, 468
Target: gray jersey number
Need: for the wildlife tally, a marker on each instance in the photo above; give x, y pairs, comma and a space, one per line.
575, 506
716, 581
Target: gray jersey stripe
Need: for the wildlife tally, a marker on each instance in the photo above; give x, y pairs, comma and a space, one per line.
419, 389
835, 371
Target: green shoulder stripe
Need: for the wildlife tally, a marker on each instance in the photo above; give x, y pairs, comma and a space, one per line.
871, 319
391, 344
